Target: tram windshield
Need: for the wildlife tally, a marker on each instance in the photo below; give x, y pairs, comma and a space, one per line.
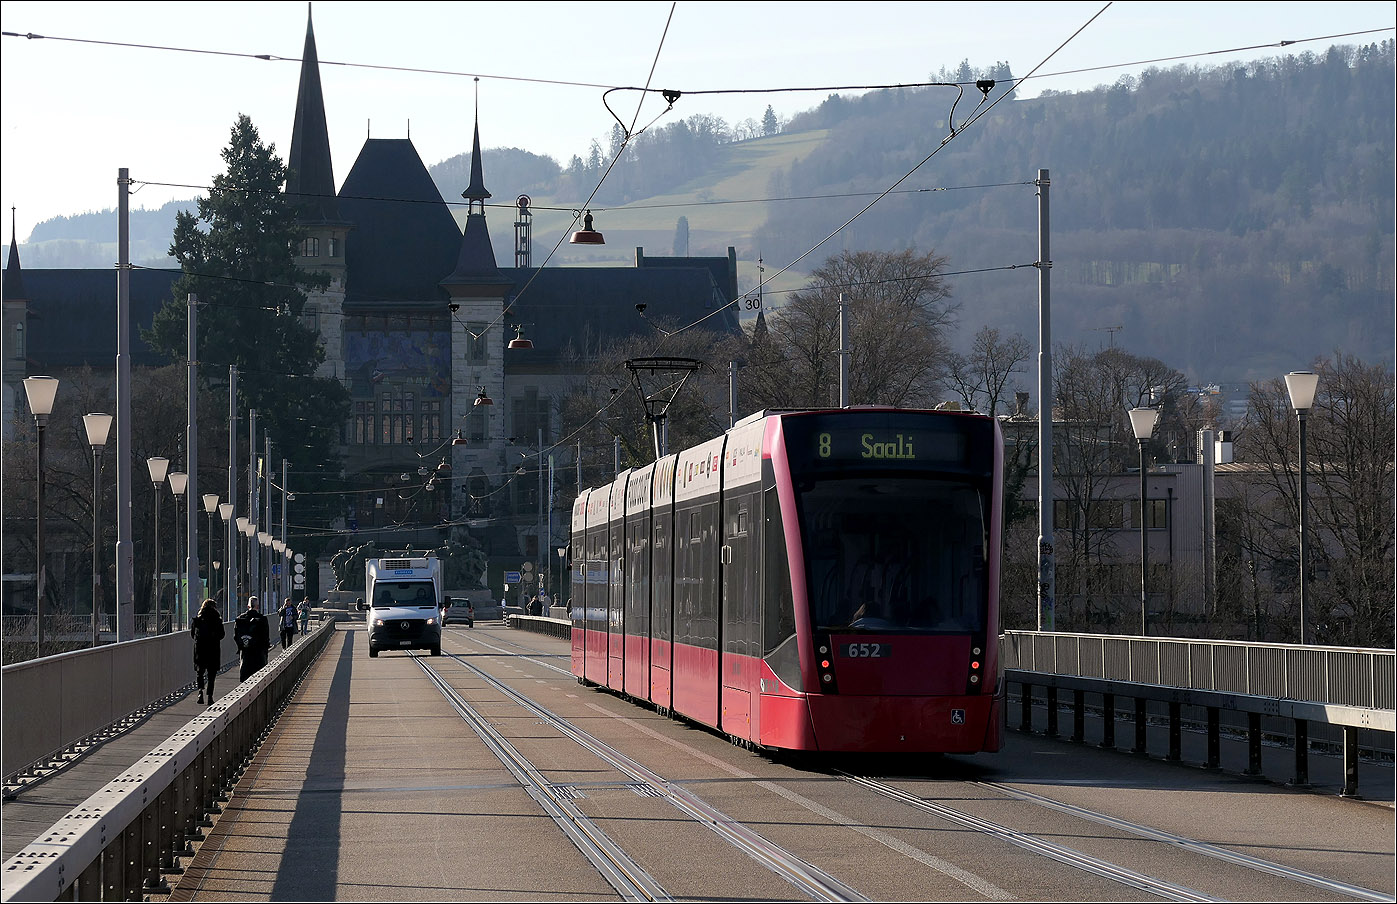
891, 553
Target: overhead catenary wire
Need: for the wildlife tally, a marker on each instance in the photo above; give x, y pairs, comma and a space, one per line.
975, 116
568, 83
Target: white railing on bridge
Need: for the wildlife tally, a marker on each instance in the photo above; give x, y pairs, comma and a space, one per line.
1345, 676
54, 702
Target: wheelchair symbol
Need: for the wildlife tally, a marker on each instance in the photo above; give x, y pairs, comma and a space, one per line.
957, 717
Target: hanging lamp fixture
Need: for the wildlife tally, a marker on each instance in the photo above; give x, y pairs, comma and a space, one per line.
483, 399
519, 341
587, 235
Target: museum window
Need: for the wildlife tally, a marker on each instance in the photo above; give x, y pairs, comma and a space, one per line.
477, 343
364, 422
430, 431
396, 412
310, 247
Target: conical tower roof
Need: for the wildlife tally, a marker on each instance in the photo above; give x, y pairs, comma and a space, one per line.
14, 280
310, 178
476, 190
476, 265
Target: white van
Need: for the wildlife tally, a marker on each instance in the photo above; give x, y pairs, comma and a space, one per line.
404, 599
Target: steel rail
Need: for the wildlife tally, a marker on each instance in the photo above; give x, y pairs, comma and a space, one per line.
1050, 849
629, 878
807, 878
1189, 844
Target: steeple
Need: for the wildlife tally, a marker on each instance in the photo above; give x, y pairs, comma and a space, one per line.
310, 179
14, 281
475, 192
475, 265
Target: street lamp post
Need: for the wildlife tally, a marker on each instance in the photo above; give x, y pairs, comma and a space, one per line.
264, 542
1301, 386
158, 467
40, 392
1142, 421
211, 508
97, 426
225, 511
179, 482
244, 524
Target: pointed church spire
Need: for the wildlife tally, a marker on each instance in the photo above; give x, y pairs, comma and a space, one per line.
14, 281
476, 265
476, 190
310, 179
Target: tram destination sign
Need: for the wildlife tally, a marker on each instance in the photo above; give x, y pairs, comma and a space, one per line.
898, 440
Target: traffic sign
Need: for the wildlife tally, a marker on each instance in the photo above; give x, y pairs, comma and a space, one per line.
511, 577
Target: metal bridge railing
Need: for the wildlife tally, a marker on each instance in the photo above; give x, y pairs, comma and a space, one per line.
1348, 688
119, 843
1345, 676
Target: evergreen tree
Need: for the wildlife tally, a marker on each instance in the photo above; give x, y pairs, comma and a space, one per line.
770, 124
237, 255
681, 237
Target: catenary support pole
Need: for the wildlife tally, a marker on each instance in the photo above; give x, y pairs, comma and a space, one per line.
191, 498
125, 548
1046, 564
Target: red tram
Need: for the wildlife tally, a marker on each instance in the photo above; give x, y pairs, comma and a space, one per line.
812, 580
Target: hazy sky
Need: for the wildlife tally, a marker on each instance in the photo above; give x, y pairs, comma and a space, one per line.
73, 112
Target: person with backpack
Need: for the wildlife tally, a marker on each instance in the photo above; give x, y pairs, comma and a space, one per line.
252, 634
288, 620
207, 629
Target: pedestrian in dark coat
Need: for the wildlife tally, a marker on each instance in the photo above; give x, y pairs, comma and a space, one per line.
253, 636
286, 616
207, 629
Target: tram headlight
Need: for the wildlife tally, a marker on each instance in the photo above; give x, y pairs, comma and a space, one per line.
827, 677
974, 679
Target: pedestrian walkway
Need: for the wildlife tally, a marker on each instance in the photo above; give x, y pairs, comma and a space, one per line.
36, 808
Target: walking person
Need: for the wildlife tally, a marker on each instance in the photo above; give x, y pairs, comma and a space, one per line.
287, 617
305, 616
207, 629
253, 636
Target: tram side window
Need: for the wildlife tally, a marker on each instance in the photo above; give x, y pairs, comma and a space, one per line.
662, 559
742, 627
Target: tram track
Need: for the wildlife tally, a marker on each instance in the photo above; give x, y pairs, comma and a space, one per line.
1191, 845
1113, 872
629, 879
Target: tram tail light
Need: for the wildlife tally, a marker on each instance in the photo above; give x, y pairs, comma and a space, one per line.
976, 663
825, 665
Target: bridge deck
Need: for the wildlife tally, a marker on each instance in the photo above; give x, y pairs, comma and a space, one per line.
368, 788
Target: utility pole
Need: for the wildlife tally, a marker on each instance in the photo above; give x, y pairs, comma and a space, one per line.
191, 521
125, 566
843, 352
1047, 577
254, 483
282, 560
230, 558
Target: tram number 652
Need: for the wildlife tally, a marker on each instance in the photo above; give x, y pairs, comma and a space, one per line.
868, 650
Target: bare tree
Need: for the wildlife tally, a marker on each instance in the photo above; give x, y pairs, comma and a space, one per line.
982, 377
900, 311
1093, 447
1349, 445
